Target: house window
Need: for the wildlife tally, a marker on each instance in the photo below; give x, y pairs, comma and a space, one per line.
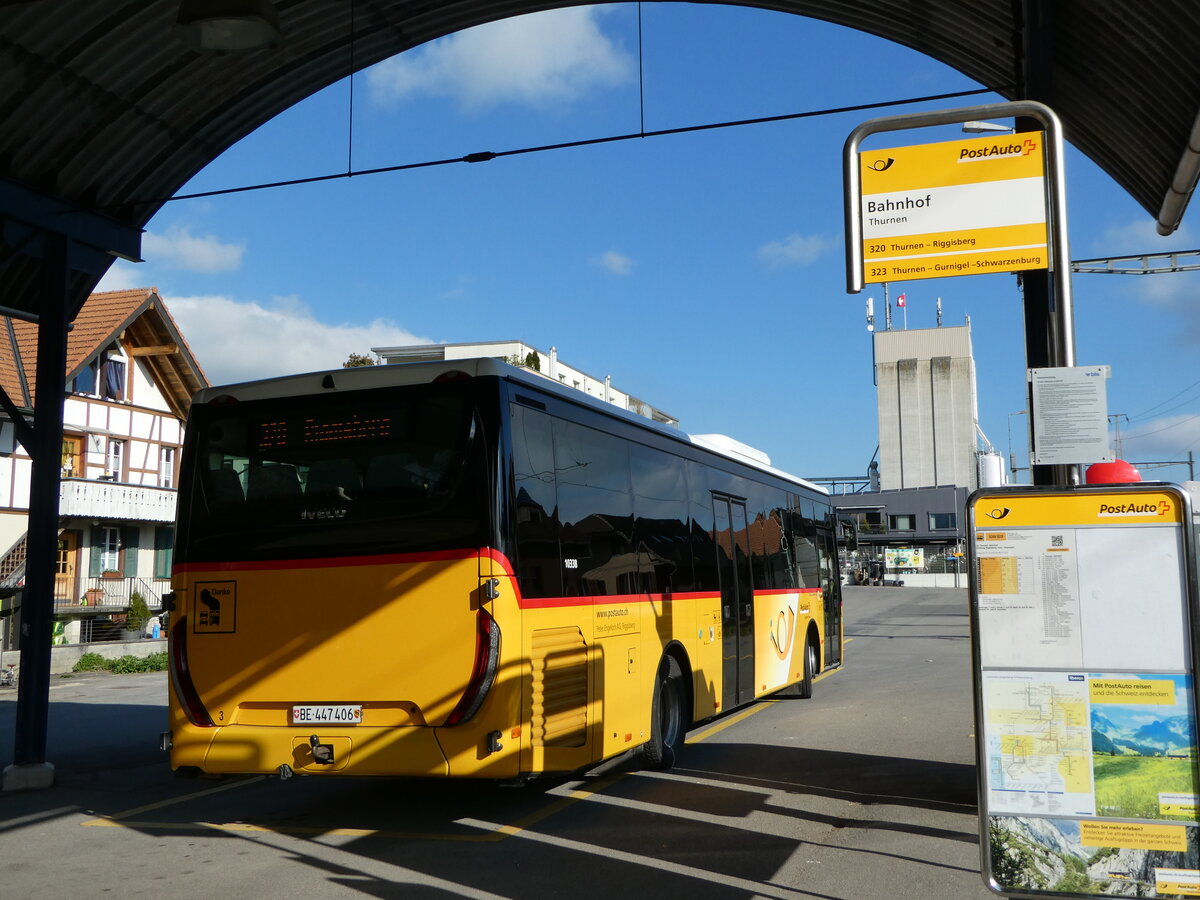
85, 381
110, 549
112, 379
72, 457
902, 522
166, 467
868, 521
942, 521
116, 455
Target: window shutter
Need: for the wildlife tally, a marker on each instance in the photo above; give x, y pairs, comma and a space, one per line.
129, 543
164, 542
96, 538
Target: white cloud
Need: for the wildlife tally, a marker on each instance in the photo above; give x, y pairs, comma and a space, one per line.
122, 276
539, 59
617, 263
1141, 236
178, 248
795, 250
1167, 289
236, 341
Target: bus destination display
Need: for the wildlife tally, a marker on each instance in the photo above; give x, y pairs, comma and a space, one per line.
342, 429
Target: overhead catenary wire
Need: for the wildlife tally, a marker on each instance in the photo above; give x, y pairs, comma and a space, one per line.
486, 155
1146, 412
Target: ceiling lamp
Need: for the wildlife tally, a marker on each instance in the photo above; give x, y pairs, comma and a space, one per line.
228, 24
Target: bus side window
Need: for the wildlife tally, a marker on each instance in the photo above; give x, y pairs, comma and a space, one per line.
536, 504
595, 504
660, 503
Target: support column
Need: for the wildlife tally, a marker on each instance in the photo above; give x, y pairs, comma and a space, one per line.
1049, 329
30, 770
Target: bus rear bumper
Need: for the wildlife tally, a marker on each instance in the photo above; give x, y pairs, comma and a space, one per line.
263, 750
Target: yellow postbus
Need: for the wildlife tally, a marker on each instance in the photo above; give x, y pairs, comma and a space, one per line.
464, 569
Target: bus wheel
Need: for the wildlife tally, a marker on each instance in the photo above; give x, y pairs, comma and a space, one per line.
805, 688
667, 717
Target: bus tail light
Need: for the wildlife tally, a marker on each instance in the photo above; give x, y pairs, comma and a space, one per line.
483, 673
181, 678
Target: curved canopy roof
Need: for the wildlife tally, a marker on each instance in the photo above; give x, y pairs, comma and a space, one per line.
105, 111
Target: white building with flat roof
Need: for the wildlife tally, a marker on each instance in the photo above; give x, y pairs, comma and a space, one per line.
548, 365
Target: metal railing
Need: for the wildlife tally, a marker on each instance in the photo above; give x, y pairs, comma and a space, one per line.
113, 500
106, 593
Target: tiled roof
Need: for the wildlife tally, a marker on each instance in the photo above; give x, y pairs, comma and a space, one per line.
138, 317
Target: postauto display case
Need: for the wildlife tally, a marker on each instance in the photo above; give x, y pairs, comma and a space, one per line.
1083, 611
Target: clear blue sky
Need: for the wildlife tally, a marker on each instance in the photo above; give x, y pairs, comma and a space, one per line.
704, 271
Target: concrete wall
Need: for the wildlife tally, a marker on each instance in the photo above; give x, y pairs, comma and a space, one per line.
64, 656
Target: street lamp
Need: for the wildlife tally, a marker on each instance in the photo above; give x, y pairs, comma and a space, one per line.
981, 127
1012, 460
228, 25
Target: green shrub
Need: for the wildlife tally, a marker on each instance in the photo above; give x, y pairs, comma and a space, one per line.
124, 665
91, 662
139, 613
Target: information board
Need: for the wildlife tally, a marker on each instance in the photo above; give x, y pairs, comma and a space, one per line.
1082, 607
964, 207
1070, 415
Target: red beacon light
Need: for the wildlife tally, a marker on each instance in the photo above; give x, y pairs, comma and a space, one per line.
1116, 472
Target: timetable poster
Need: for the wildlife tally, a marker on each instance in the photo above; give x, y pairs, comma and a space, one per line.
1086, 708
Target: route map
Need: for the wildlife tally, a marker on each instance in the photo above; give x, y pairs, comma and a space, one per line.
1039, 744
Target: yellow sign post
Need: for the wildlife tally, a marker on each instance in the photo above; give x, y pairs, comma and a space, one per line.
963, 207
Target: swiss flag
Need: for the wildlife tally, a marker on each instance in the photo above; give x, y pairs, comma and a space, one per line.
901, 299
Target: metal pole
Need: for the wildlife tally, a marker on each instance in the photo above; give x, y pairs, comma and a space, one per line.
30, 769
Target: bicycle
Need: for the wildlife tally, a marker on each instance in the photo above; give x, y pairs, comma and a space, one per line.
8, 676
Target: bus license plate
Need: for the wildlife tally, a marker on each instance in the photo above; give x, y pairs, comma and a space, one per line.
327, 715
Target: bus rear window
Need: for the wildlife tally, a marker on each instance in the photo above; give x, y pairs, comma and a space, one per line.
340, 462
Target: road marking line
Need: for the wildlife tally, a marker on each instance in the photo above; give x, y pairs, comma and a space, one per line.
124, 820
499, 833
104, 820
300, 830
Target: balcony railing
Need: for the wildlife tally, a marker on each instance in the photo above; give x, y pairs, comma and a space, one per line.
110, 500
103, 594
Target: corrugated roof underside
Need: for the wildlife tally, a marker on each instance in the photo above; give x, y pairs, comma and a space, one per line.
103, 105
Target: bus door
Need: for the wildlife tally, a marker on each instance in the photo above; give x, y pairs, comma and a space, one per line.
732, 541
831, 594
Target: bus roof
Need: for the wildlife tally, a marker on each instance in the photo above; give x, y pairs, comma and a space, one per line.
367, 377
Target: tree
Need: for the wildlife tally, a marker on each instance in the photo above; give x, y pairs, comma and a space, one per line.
356, 360
533, 361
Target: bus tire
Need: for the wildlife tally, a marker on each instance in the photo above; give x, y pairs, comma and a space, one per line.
668, 716
805, 688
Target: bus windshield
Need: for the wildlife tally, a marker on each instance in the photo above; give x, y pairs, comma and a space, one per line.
382, 471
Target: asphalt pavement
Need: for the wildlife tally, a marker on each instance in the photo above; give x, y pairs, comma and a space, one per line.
865, 791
